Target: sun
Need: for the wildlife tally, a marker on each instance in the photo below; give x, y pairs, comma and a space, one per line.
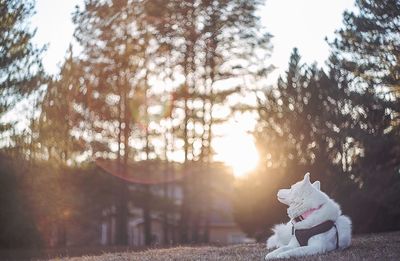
237, 150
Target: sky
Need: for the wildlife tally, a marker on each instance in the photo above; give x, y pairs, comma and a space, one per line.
303, 24
53, 21
293, 23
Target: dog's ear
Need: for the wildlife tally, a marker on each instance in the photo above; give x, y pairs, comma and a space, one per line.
317, 185
307, 178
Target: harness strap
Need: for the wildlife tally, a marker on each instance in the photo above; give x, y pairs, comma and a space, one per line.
337, 236
303, 235
292, 229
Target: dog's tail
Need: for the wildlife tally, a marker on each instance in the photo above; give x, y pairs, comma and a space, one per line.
343, 224
281, 236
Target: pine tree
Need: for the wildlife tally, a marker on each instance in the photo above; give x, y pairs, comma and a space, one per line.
57, 117
368, 52
125, 45
118, 47
298, 131
369, 44
210, 42
21, 70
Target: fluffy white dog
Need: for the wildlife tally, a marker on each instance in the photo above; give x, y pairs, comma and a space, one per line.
316, 223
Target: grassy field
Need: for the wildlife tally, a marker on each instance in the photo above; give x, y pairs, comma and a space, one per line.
365, 247
385, 246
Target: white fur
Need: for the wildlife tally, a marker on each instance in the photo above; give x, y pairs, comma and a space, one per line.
281, 236
304, 195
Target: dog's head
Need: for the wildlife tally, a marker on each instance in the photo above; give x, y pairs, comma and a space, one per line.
301, 197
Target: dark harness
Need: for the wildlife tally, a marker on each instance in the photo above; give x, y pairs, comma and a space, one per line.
303, 235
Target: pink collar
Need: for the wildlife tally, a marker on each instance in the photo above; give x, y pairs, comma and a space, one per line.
306, 214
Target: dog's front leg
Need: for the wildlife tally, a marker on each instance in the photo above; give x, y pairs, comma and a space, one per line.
300, 251
276, 252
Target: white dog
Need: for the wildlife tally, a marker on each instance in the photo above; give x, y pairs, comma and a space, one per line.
316, 223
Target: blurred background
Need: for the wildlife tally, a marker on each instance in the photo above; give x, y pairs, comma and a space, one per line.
161, 122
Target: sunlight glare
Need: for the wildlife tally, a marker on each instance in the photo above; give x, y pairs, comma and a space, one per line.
237, 150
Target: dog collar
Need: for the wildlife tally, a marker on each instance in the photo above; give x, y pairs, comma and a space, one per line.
306, 214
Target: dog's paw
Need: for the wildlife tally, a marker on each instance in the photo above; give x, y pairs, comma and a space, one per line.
282, 255
270, 256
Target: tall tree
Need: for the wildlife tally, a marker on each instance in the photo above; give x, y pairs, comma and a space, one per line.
55, 141
342, 126
21, 70
118, 46
368, 52
298, 131
204, 43
210, 43
369, 44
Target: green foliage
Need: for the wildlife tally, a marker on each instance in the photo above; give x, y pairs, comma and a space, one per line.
60, 200
342, 126
17, 224
21, 70
368, 51
299, 130
54, 140
369, 43
129, 45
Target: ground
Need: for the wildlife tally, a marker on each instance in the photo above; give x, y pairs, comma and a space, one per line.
384, 246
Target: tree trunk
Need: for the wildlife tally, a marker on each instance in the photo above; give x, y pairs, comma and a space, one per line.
121, 235
185, 213
122, 190
165, 221
148, 196
148, 240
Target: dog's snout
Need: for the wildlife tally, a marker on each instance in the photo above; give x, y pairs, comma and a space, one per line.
283, 195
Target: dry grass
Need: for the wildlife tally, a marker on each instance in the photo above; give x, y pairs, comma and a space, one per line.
364, 247
385, 246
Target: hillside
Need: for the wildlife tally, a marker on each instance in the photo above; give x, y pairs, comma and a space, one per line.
385, 246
